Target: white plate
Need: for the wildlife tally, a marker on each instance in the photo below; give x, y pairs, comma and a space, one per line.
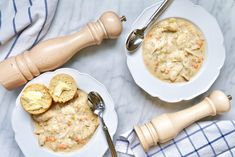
23, 127
215, 54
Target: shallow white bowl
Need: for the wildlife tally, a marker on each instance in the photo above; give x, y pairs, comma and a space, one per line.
23, 126
214, 60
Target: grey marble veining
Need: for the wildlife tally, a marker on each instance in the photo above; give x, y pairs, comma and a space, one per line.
107, 63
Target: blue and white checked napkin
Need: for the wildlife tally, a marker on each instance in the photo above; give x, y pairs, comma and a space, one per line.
204, 139
23, 23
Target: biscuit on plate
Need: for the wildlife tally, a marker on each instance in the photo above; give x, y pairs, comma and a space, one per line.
62, 88
35, 99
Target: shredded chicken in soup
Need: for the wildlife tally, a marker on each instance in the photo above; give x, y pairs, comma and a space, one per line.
66, 127
174, 50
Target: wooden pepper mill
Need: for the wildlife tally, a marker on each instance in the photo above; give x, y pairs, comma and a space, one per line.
166, 126
53, 53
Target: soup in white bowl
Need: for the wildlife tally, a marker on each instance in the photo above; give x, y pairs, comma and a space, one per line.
174, 50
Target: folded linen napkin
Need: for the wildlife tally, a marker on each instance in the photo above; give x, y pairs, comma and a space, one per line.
203, 139
23, 23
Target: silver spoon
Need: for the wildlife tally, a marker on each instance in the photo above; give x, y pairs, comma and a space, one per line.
136, 36
97, 105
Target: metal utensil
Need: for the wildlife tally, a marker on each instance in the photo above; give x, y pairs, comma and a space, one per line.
97, 105
136, 36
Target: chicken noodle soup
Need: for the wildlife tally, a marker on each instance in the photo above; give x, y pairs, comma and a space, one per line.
66, 126
174, 50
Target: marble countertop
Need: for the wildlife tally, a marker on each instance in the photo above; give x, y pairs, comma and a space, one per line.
107, 63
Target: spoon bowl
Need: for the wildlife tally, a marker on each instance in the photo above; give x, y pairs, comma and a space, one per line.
96, 104
136, 37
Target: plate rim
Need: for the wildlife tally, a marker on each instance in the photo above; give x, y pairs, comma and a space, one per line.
74, 153
212, 80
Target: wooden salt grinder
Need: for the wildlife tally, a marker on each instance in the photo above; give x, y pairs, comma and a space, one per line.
166, 126
53, 53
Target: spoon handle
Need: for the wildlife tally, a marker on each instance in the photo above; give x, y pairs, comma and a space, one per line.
109, 139
158, 12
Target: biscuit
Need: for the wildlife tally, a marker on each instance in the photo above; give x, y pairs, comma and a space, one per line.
62, 88
36, 99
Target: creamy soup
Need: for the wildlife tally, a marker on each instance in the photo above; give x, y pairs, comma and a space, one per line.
66, 127
174, 50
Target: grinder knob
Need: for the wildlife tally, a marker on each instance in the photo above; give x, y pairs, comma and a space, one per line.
112, 24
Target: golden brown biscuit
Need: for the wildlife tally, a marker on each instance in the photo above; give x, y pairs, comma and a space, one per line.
36, 99
62, 88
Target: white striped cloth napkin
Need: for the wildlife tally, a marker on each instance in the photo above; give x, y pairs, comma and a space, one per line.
23, 23
204, 139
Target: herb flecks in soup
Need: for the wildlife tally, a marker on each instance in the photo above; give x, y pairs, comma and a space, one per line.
66, 126
174, 50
